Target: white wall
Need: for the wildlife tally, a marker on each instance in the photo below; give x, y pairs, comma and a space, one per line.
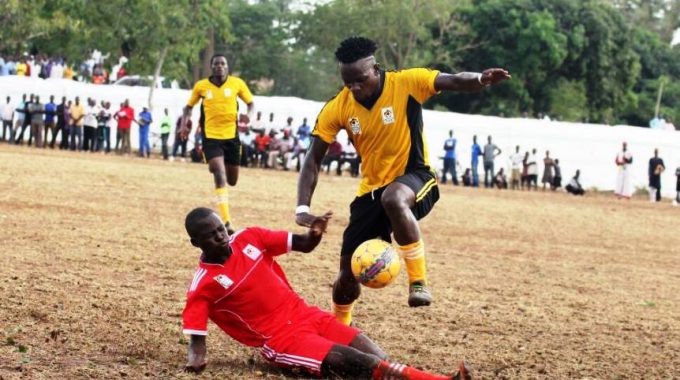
589, 147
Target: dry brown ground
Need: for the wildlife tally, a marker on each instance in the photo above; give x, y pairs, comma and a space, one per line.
95, 264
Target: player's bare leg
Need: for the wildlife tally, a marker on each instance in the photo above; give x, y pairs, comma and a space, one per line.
232, 174
350, 362
397, 200
345, 291
217, 168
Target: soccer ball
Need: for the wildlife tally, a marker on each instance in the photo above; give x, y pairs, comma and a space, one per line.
375, 263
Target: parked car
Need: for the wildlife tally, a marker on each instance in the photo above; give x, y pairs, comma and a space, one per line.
137, 80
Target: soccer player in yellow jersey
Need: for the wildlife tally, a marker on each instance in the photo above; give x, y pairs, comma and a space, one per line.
221, 145
382, 113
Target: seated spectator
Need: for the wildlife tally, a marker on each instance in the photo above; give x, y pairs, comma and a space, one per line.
273, 150
261, 144
247, 147
286, 148
196, 153
500, 180
334, 154
466, 178
349, 155
574, 186
300, 152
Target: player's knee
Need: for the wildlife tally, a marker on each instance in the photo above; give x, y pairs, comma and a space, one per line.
393, 201
232, 180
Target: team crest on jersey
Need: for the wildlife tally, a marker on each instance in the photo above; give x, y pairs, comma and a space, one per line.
223, 280
252, 252
387, 115
227, 92
354, 125
208, 95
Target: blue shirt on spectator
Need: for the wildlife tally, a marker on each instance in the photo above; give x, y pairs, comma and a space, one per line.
450, 148
145, 118
50, 112
476, 151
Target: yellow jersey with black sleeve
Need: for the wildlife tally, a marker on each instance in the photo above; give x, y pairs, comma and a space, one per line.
389, 135
220, 106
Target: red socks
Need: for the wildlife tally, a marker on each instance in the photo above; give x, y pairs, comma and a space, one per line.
386, 370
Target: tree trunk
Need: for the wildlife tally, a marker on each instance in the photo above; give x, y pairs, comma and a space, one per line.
156, 74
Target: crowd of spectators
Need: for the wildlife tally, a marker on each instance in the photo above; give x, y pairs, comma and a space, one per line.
93, 69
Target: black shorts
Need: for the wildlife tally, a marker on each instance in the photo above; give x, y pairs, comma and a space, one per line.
368, 219
229, 149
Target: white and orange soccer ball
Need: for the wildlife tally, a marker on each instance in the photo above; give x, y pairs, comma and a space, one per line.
375, 263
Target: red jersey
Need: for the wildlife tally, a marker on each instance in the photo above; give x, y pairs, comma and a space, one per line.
248, 296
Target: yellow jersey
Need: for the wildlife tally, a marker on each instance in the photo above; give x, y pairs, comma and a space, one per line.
388, 136
220, 107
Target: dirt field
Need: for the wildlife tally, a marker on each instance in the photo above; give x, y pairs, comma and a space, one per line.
95, 265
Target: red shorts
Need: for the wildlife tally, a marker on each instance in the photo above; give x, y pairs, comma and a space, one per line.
308, 340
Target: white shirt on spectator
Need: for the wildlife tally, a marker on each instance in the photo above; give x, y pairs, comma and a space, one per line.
7, 111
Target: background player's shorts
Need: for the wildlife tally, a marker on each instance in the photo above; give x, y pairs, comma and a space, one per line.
368, 219
308, 340
229, 149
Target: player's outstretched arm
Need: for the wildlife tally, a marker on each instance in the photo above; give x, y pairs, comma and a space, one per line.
309, 175
196, 354
307, 242
470, 82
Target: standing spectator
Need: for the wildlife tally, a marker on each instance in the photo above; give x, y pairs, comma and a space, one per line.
450, 159
37, 111
22, 67
66, 123
273, 150
26, 121
166, 127
288, 127
270, 126
516, 168
656, 167
180, 143
676, 201
476, 152
125, 116
90, 124
7, 112
77, 114
21, 115
524, 181
557, 179
144, 121
489, 157
258, 124
574, 186
624, 186
104, 128
304, 131
50, 121
532, 170
548, 164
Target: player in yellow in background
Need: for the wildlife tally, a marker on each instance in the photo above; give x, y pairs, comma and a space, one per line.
219, 111
382, 113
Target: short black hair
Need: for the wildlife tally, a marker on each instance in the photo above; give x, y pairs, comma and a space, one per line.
355, 48
194, 217
217, 55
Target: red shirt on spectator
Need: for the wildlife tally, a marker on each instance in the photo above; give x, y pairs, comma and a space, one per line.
125, 116
262, 142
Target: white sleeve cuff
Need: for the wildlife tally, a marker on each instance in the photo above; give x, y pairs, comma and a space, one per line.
195, 332
290, 242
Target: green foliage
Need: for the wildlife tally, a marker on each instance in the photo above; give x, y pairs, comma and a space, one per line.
568, 100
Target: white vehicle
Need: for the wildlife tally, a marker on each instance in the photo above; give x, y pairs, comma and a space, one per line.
137, 80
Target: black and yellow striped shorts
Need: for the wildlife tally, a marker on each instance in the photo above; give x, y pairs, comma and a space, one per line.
368, 219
